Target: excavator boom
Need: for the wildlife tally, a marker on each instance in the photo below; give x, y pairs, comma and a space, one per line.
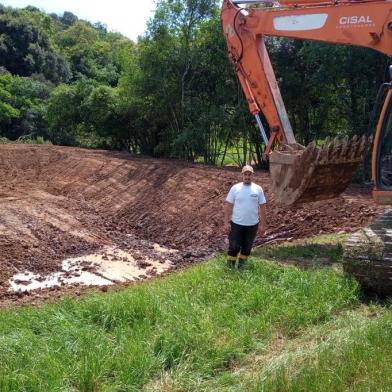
313, 173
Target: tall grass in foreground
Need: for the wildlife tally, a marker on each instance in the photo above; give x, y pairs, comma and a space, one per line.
188, 331
357, 357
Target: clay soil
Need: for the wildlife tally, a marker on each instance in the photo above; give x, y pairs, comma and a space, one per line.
58, 202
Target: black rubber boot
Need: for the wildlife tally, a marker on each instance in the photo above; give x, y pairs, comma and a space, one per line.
241, 264
231, 263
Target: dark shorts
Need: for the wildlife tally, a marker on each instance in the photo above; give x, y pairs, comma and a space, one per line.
241, 239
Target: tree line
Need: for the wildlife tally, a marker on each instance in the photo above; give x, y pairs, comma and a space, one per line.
172, 93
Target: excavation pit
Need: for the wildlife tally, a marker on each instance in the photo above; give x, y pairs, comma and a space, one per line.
59, 204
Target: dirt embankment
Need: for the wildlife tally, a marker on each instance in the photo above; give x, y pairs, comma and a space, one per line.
57, 202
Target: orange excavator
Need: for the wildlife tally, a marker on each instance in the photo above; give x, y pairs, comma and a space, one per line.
302, 174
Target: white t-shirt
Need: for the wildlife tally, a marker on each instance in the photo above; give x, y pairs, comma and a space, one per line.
246, 200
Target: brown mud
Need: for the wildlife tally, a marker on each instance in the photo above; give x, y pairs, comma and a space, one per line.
59, 202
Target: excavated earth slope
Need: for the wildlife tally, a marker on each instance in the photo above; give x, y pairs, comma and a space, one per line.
59, 202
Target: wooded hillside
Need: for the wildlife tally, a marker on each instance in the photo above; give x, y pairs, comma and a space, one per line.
173, 93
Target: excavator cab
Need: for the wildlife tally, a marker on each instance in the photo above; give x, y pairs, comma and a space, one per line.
368, 252
382, 153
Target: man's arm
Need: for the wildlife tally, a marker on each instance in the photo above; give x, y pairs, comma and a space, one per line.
262, 218
228, 211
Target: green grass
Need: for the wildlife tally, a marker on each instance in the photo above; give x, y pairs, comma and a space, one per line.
323, 249
233, 155
270, 327
353, 356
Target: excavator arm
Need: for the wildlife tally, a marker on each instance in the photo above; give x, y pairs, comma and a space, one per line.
313, 173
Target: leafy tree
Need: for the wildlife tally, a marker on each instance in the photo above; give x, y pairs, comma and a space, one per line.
212, 100
166, 58
337, 85
25, 48
68, 18
91, 53
79, 33
7, 111
64, 113
30, 96
22, 106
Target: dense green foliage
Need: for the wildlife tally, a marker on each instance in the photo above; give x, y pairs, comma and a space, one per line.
173, 93
269, 327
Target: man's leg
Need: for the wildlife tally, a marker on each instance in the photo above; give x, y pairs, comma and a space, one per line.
231, 260
246, 244
234, 245
242, 261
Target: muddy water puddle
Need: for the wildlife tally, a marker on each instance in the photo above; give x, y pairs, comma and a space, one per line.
109, 266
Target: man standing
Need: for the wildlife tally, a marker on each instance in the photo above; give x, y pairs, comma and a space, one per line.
245, 216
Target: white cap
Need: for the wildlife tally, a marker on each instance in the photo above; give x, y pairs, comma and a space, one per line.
247, 168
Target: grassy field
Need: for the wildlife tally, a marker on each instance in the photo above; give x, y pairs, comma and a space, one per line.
271, 327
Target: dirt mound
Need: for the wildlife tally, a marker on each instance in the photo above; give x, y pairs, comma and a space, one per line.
58, 202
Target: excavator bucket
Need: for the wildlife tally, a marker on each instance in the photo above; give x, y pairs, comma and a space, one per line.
301, 175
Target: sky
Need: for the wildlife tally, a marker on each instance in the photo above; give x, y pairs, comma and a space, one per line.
128, 17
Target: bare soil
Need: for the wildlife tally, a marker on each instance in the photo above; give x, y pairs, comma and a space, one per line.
59, 202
